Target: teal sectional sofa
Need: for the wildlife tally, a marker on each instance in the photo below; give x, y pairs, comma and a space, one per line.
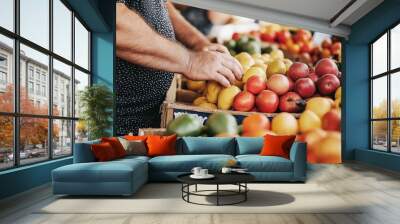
125, 176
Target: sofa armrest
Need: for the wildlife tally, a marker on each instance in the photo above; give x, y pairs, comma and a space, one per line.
83, 152
298, 155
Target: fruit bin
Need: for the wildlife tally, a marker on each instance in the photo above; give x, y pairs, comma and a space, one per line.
172, 110
152, 131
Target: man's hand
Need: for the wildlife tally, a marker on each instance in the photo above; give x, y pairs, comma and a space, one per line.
213, 65
214, 47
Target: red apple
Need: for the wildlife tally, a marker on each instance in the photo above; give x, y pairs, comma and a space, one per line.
267, 101
305, 87
235, 36
313, 77
282, 36
291, 84
278, 83
298, 70
302, 36
326, 66
244, 101
306, 47
255, 84
331, 120
291, 102
267, 37
328, 84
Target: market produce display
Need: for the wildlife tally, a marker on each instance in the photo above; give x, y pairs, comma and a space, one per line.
290, 86
297, 44
270, 85
301, 100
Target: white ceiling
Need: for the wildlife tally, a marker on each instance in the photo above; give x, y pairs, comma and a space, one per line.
321, 9
317, 15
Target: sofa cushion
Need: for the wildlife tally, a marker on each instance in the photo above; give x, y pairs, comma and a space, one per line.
257, 163
277, 145
161, 145
112, 171
103, 152
116, 145
185, 163
83, 152
207, 145
249, 145
134, 147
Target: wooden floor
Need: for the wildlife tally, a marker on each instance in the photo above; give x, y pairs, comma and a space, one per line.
379, 189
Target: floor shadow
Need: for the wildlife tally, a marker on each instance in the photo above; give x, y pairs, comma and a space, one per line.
256, 198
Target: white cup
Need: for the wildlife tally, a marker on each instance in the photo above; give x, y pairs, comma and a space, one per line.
203, 172
196, 171
226, 170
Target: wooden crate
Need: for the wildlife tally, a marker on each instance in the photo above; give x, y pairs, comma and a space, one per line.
152, 131
172, 110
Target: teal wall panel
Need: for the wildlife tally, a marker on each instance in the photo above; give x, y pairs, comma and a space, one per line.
24, 178
356, 92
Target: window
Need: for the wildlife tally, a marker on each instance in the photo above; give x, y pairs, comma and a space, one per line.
34, 21
41, 123
3, 61
37, 89
30, 88
44, 91
7, 14
38, 74
3, 72
6, 89
81, 45
30, 72
385, 94
3, 78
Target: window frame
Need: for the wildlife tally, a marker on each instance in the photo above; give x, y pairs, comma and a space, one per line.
16, 114
388, 74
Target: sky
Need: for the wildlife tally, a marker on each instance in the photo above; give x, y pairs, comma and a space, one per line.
34, 26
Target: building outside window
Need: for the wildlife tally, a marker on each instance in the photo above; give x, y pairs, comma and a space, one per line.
30, 87
43, 90
3, 72
55, 127
30, 72
385, 94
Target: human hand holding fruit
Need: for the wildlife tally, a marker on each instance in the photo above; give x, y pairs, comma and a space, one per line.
215, 47
213, 65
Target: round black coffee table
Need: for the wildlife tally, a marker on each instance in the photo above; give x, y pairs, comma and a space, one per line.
238, 179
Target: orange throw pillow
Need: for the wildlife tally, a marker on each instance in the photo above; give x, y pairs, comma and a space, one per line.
161, 145
116, 145
275, 145
103, 152
134, 138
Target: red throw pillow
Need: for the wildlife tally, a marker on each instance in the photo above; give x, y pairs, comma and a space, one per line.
134, 137
161, 145
116, 145
103, 152
277, 145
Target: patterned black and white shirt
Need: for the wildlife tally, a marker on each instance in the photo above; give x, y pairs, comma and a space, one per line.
140, 91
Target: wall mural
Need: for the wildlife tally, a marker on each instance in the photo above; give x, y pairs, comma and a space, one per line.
291, 85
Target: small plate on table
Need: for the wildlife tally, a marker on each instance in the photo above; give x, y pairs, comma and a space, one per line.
202, 177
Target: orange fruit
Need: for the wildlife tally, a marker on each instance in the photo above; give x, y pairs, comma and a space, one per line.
257, 133
255, 122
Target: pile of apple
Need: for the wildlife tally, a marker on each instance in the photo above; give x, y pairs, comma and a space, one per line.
287, 91
270, 84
